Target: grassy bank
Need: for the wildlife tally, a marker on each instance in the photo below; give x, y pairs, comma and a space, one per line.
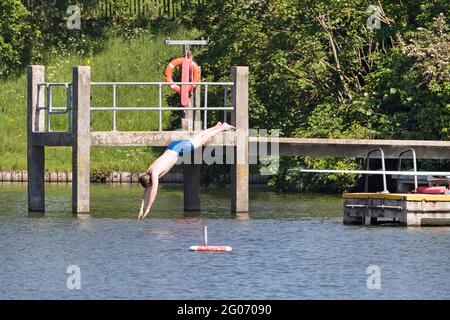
142, 58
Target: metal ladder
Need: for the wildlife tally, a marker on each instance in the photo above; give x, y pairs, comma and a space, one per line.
383, 167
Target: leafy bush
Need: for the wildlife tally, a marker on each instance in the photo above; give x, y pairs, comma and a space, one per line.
17, 33
316, 70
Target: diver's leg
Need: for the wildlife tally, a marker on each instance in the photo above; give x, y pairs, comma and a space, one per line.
206, 131
202, 138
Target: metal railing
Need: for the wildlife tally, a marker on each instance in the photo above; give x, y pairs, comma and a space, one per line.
414, 158
383, 169
160, 108
50, 110
388, 172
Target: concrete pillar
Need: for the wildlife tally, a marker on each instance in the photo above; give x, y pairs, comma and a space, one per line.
187, 122
239, 118
413, 219
192, 170
81, 139
197, 113
368, 220
35, 154
191, 178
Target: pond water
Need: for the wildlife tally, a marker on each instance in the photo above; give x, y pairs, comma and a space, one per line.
287, 247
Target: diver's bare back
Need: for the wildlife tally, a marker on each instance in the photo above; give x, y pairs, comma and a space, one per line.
164, 163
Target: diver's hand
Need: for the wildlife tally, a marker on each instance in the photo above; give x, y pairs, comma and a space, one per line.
145, 214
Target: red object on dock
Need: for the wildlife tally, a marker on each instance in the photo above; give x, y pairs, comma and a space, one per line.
210, 248
185, 77
190, 72
432, 190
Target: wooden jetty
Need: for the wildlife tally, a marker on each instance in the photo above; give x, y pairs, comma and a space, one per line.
410, 209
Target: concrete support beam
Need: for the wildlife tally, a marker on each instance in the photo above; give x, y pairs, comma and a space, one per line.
36, 186
81, 139
286, 146
239, 118
152, 138
191, 179
358, 148
191, 170
35, 154
52, 139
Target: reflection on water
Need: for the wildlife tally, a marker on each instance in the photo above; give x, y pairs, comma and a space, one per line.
287, 247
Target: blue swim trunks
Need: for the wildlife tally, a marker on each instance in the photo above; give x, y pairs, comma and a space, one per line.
181, 146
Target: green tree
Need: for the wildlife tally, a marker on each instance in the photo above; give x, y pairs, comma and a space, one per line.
17, 34
412, 84
317, 70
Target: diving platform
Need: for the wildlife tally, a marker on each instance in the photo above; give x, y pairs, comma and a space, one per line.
81, 137
243, 145
409, 209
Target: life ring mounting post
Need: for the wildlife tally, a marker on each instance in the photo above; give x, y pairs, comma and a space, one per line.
190, 71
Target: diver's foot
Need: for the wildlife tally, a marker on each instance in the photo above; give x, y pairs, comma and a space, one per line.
226, 126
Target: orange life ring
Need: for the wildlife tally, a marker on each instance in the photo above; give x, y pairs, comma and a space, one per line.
168, 74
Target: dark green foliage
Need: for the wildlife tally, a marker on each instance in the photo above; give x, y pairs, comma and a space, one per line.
17, 33
216, 175
37, 36
317, 71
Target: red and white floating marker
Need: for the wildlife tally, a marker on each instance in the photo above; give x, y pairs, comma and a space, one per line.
210, 248
206, 248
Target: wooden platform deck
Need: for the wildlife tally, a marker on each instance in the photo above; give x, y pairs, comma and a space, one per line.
398, 196
409, 209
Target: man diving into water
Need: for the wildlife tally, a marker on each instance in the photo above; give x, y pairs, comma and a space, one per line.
150, 179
